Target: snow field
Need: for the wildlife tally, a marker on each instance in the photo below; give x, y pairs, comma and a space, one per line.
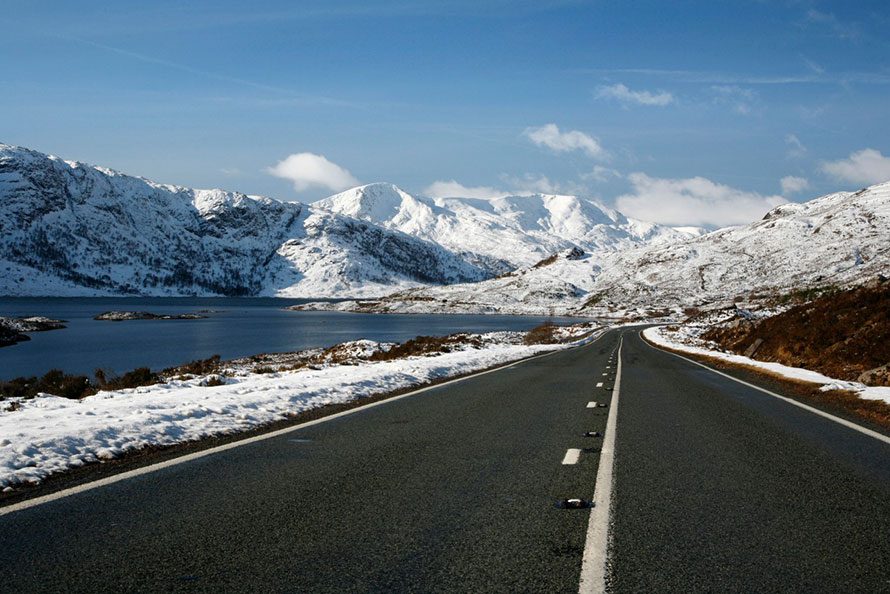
49, 434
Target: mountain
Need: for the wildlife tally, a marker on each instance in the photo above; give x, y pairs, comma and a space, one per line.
504, 233
839, 239
70, 228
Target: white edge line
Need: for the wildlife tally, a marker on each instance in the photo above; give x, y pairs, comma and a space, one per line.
29, 503
593, 564
821, 413
572, 456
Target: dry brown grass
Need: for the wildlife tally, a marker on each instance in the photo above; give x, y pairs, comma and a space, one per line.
543, 334
841, 334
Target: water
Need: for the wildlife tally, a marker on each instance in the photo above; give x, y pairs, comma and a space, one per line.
245, 326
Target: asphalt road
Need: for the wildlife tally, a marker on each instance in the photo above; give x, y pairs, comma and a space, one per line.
722, 488
717, 487
451, 490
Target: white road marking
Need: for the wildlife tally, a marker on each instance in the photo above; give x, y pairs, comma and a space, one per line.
572, 455
605, 374
599, 384
28, 503
591, 405
593, 564
821, 413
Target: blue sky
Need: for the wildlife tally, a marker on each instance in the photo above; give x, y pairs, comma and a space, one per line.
682, 112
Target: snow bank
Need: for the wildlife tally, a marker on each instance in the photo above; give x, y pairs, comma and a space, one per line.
686, 340
49, 434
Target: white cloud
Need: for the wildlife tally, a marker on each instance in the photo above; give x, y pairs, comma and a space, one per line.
551, 137
797, 148
832, 25
308, 170
531, 184
865, 167
601, 174
453, 189
692, 201
625, 95
741, 100
232, 171
792, 184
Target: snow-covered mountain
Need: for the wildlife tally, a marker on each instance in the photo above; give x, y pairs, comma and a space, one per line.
505, 233
74, 229
839, 239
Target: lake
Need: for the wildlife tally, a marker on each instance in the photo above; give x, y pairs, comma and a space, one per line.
243, 327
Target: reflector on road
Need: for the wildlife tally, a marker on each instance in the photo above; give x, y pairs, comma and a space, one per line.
574, 503
593, 434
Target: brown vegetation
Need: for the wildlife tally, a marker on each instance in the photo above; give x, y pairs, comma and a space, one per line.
424, 345
842, 334
543, 334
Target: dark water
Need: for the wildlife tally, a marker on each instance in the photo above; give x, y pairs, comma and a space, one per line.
246, 326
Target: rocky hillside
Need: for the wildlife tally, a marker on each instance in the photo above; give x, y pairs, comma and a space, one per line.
840, 239
70, 228
504, 233
841, 334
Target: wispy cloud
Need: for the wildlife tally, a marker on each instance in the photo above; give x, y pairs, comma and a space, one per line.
626, 96
304, 98
692, 201
734, 78
601, 174
454, 189
867, 166
571, 140
740, 99
797, 148
307, 170
532, 184
832, 25
791, 184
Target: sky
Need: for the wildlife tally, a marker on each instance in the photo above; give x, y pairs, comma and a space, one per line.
685, 113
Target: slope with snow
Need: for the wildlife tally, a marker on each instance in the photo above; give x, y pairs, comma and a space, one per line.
838, 239
73, 229
504, 233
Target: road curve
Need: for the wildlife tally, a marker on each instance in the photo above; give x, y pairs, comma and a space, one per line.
452, 490
721, 487
717, 487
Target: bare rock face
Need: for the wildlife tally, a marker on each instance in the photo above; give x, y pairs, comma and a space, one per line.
879, 376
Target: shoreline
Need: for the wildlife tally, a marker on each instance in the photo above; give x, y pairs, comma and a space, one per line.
98, 460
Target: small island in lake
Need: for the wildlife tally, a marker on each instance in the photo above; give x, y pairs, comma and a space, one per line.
12, 330
120, 316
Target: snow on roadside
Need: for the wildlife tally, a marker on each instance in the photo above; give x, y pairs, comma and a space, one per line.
686, 339
49, 434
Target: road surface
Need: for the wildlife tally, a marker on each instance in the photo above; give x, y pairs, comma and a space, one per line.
716, 487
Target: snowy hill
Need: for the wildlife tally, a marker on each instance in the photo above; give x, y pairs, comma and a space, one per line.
838, 239
504, 233
70, 228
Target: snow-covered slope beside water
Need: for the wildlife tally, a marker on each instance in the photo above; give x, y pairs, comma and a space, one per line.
504, 233
838, 239
73, 229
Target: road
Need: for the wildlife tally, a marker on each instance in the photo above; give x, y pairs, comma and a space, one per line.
717, 487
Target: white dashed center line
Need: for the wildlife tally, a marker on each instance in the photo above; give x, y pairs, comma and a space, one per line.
572, 455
